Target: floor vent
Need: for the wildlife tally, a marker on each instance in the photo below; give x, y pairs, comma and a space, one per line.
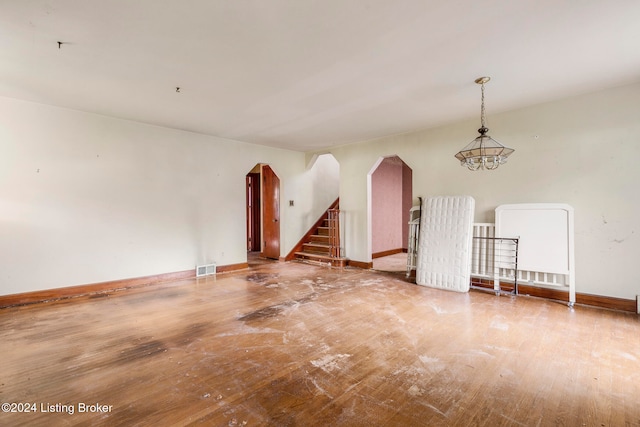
205, 270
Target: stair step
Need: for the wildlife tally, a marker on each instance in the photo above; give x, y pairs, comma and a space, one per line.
316, 248
325, 259
318, 245
323, 231
314, 256
319, 238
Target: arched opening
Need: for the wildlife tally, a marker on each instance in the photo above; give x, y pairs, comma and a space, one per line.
320, 213
263, 213
324, 182
391, 198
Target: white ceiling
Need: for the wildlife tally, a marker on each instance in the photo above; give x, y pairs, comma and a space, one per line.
310, 74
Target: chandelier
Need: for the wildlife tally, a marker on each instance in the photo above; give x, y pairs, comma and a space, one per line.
483, 152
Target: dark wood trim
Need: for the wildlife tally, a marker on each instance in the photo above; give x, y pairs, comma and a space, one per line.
75, 291
488, 284
298, 247
321, 259
387, 253
104, 287
360, 264
614, 303
253, 211
547, 293
601, 301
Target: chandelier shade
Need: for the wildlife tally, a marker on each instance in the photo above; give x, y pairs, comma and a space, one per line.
483, 152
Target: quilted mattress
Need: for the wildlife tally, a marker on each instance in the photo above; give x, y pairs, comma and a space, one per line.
444, 248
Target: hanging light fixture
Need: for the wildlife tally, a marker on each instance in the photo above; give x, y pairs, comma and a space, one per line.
483, 152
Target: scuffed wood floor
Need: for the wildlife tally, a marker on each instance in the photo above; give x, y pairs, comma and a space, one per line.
299, 345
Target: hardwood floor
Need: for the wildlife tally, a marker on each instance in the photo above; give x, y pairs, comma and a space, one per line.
288, 344
396, 263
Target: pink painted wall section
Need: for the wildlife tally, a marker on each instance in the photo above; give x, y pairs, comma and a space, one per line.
391, 200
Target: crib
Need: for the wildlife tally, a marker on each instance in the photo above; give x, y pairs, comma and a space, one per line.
414, 232
530, 243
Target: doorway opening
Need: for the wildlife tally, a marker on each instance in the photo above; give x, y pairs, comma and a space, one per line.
263, 213
390, 200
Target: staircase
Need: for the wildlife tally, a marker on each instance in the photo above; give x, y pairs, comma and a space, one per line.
321, 244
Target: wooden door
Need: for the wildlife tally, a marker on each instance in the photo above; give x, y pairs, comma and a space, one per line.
270, 213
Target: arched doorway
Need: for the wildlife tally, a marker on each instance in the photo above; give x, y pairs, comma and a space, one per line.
391, 198
263, 211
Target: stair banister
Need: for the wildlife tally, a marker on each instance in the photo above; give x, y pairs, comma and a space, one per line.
334, 232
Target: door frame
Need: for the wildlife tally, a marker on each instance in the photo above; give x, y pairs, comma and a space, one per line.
253, 212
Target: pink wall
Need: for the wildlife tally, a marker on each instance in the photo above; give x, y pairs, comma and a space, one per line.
391, 200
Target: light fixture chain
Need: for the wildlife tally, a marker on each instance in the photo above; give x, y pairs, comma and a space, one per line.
482, 121
483, 152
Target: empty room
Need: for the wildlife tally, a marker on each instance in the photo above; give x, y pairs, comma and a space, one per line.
301, 213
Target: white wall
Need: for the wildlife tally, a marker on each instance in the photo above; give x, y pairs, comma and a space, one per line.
323, 188
312, 193
86, 198
582, 151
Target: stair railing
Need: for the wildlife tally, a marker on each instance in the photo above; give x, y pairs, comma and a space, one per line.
334, 232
